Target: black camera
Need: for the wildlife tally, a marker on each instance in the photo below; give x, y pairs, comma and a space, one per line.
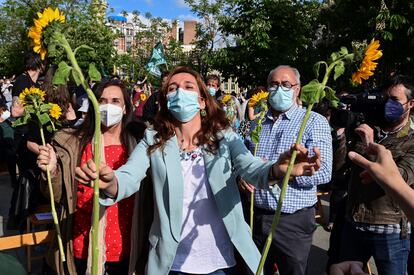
366, 107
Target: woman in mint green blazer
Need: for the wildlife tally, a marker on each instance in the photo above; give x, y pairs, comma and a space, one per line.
194, 158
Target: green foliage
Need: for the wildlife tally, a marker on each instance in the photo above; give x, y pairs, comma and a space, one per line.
315, 91
62, 74
93, 73
38, 111
83, 26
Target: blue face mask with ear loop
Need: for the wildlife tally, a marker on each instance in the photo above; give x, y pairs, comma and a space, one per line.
183, 104
393, 111
281, 100
211, 91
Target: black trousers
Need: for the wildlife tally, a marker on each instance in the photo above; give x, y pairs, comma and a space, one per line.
291, 241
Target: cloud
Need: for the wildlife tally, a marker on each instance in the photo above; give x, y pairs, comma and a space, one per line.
181, 3
187, 17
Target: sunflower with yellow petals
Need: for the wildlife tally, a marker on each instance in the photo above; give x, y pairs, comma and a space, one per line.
36, 32
31, 92
143, 97
55, 111
225, 99
258, 97
368, 66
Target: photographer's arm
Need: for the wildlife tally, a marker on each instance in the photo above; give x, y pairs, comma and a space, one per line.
385, 172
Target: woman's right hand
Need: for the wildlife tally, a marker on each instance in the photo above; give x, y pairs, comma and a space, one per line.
87, 173
47, 158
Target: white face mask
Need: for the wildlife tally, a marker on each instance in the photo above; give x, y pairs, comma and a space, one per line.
111, 114
5, 115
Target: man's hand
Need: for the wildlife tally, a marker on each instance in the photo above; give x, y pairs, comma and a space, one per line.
87, 173
304, 165
366, 133
17, 108
246, 187
47, 158
347, 268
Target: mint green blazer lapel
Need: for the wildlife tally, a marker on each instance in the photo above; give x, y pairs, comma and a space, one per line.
175, 183
214, 168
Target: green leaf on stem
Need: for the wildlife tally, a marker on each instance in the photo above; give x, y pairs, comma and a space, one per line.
339, 69
343, 51
317, 66
45, 108
62, 74
76, 77
43, 118
93, 73
29, 109
49, 128
254, 135
312, 92
330, 95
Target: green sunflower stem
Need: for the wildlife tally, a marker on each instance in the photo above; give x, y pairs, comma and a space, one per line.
96, 150
256, 147
276, 217
52, 203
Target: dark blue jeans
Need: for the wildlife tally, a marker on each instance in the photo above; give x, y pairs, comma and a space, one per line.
389, 251
226, 271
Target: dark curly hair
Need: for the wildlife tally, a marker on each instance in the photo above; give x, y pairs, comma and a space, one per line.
211, 124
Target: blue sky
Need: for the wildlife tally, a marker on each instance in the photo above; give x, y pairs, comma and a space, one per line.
170, 9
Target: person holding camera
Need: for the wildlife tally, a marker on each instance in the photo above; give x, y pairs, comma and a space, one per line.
375, 224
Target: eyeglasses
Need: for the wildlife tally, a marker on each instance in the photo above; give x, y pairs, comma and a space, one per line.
285, 85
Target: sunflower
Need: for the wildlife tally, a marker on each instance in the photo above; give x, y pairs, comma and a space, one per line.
368, 65
262, 95
225, 99
23, 97
143, 97
55, 111
36, 32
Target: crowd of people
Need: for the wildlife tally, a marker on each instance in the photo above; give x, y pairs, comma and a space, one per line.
179, 168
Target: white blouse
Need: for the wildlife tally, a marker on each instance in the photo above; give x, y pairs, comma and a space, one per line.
205, 245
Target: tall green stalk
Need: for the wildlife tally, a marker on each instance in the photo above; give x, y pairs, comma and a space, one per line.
77, 72
258, 129
51, 196
315, 91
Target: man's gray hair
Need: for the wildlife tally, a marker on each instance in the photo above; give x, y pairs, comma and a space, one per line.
295, 71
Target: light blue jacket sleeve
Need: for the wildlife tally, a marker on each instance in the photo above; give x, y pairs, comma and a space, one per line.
251, 168
131, 174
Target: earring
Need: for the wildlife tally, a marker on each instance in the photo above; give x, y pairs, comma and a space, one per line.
203, 113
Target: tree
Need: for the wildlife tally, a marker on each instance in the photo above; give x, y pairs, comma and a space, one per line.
16, 16
391, 21
266, 34
207, 32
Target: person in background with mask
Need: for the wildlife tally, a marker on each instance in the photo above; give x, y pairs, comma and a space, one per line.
213, 85
70, 148
375, 224
293, 238
193, 155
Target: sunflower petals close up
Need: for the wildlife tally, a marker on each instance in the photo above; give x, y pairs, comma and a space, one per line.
368, 66
36, 32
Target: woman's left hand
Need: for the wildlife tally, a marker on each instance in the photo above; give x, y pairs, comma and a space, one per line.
304, 165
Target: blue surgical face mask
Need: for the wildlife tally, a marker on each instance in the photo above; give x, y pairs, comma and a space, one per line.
211, 91
183, 104
393, 111
281, 100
